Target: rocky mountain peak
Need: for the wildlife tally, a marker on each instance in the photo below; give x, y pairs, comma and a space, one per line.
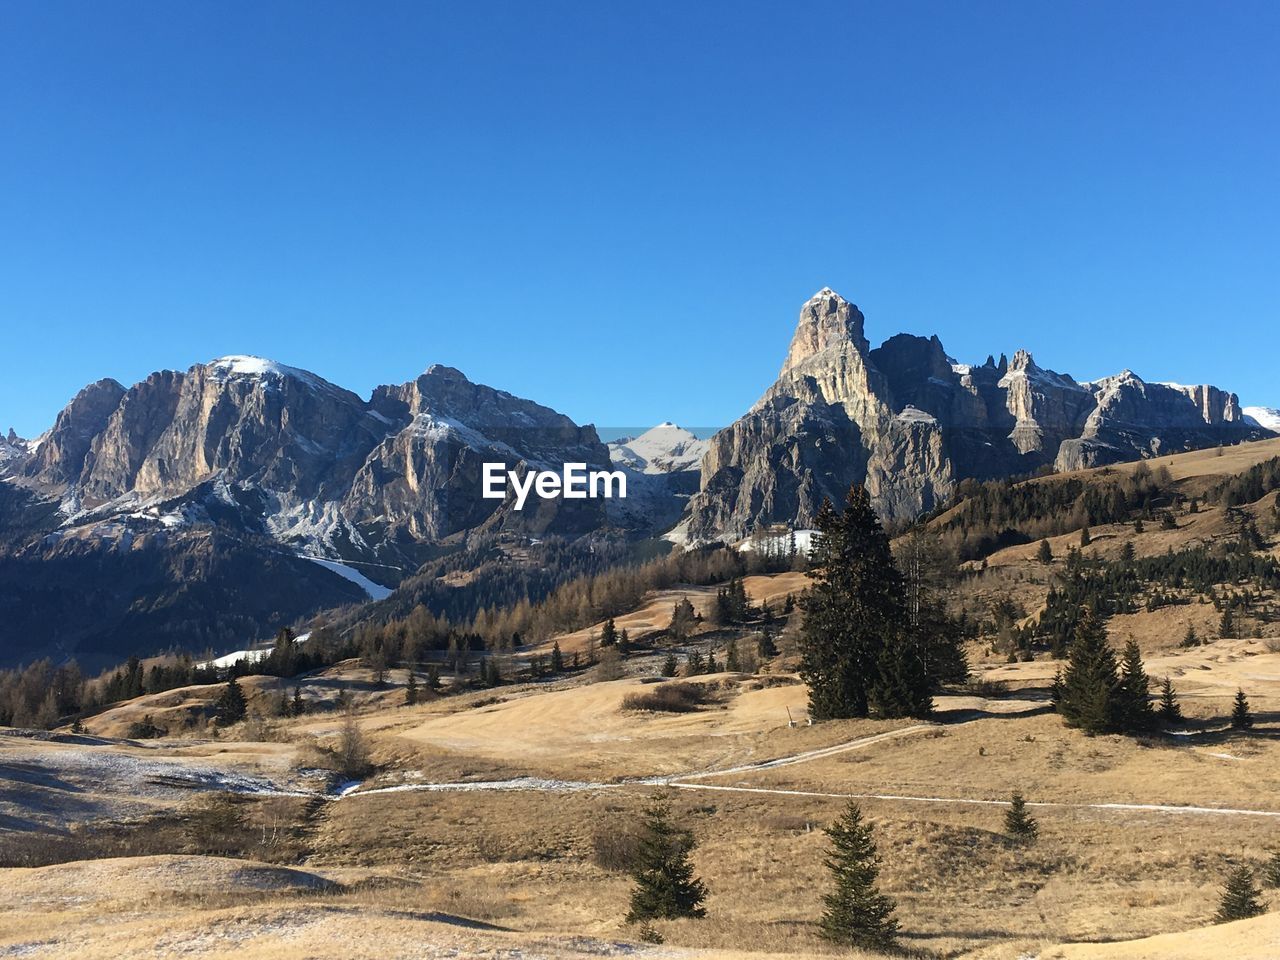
241, 368
445, 373
908, 421
1022, 361
827, 321
661, 449
61, 457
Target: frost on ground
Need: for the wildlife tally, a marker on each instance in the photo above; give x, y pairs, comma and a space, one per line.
54, 784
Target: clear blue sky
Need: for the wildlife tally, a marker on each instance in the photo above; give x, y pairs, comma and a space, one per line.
617, 208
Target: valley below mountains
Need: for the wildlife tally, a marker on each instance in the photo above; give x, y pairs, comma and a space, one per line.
191, 510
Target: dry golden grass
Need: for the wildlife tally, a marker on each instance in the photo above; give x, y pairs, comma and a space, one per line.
655, 612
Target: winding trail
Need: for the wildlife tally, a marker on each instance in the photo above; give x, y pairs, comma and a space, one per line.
689, 781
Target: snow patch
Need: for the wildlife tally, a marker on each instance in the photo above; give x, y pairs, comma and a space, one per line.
1268, 418
376, 591
243, 365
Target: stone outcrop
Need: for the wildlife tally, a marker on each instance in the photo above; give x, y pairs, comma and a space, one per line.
909, 422
424, 477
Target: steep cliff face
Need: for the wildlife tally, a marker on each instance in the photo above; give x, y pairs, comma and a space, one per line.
60, 457
827, 422
246, 420
908, 422
423, 479
1131, 418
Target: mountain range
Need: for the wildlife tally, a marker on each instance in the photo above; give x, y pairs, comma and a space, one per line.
910, 422
206, 507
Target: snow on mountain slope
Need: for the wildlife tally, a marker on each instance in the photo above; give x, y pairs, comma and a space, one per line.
14, 451
225, 368
376, 591
1266, 417
665, 448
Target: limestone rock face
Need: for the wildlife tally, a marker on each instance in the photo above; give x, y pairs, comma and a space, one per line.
908, 422
827, 422
1131, 418
61, 456
423, 479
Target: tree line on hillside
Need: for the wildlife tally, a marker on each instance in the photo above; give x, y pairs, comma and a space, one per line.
986, 516
383, 642
1229, 575
1250, 486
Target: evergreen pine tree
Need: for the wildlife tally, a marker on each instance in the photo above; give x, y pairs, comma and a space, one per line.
1045, 553
1091, 683
1227, 625
666, 888
1134, 696
1018, 823
411, 690
856, 601
670, 666
299, 705
433, 677
609, 635
732, 662
1189, 639
712, 666
231, 706
1086, 537
1169, 712
1055, 689
683, 619
901, 688
1240, 898
1241, 717
857, 914
624, 642
557, 658
766, 648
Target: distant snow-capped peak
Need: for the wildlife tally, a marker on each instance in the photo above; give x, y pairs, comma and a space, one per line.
1266, 417
666, 448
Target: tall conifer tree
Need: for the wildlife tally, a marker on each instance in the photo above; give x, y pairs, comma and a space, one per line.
1241, 717
1134, 707
1240, 898
1169, 711
1091, 684
857, 914
856, 603
666, 888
